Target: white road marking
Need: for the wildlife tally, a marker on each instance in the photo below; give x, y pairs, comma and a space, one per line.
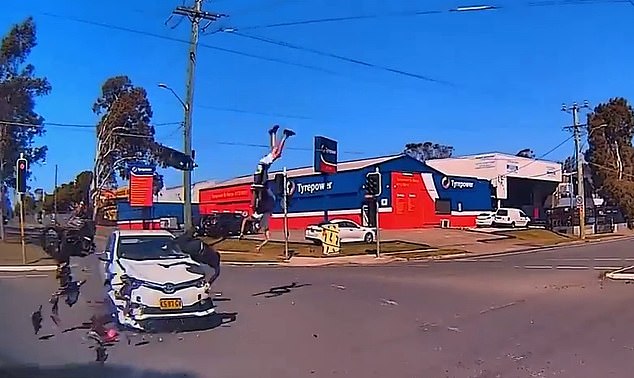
538, 266
572, 267
569, 259
608, 259
606, 267
24, 276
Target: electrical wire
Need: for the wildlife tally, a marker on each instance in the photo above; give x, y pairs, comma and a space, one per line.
433, 12
68, 125
200, 44
343, 58
286, 148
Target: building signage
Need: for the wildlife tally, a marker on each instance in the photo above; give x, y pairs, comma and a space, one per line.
325, 155
141, 185
448, 183
313, 187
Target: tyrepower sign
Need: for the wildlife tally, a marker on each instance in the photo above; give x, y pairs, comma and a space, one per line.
325, 155
141, 185
449, 183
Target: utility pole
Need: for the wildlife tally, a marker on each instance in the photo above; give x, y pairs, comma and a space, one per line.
576, 129
2, 188
195, 15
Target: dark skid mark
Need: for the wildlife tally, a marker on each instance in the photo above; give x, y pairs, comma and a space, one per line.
280, 290
141, 343
75, 328
46, 337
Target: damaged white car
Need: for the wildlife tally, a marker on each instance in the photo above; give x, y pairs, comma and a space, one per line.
148, 277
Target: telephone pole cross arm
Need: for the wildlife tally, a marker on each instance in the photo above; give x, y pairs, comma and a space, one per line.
195, 15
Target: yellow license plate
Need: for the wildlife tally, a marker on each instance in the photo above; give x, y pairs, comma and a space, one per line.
171, 304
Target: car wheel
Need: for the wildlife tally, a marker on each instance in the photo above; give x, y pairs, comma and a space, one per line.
368, 238
512, 224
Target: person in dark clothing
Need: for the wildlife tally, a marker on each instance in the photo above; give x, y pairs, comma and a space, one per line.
200, 252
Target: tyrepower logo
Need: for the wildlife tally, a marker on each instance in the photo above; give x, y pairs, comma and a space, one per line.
313, 187
447, 183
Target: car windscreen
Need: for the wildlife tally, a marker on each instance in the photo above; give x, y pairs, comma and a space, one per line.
502, 213
148, 248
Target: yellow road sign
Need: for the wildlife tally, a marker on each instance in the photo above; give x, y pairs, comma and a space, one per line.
330, 239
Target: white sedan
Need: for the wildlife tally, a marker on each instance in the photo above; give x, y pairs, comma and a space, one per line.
148, 277
349, 231
485, 219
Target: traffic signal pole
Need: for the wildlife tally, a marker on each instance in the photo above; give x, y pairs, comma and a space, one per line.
376, 200
285, 205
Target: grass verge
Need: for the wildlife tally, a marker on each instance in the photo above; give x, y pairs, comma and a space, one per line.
537, 237
245, 250
11, 254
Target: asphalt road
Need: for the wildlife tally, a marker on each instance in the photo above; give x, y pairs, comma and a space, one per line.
527, 315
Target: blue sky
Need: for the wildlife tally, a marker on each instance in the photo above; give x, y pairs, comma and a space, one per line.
511, 69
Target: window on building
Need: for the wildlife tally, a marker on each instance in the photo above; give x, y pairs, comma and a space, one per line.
443, 206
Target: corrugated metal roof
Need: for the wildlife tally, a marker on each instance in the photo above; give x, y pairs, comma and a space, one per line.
309, 171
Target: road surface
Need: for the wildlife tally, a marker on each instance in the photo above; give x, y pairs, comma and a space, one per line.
524, 315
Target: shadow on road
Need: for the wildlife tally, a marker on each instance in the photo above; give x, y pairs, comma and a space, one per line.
279, 290
193, 324
93, 370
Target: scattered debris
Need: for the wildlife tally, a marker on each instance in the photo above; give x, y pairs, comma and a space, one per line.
493, 308
455, 329
56, 320
102, 354
36, 320
46, 337
340, 287
389, 302
315, 335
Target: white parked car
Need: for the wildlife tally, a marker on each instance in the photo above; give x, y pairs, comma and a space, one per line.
485, 219
349, 231
510, 217
148, 277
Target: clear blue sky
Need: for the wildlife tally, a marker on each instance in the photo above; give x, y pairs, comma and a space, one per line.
512, 69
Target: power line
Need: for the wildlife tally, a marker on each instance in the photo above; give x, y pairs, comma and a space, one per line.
343, 58
203, 45
286, 148
235, 110
415, 13
68, 125
540, 157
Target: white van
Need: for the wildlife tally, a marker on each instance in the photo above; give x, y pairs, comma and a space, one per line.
510, 217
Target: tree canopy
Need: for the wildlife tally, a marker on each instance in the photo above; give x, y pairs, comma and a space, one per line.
19, 87
526, 153
125, 129
611, 155
69, 194
428, 150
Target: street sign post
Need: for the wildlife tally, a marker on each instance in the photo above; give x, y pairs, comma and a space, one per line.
21, 168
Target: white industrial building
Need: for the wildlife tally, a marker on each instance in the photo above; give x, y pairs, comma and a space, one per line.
175, 194
517, 181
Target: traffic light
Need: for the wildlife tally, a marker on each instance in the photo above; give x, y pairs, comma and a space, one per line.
21, 171
176, 159
373, 184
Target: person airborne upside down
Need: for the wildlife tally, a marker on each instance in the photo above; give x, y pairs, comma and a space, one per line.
263, 199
